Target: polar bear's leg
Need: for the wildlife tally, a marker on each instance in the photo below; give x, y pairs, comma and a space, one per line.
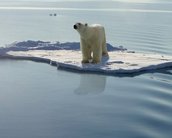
89, 53
85, 55
104, 48
86, 52
97, 53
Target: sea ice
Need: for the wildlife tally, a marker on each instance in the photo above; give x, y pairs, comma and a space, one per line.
68, 56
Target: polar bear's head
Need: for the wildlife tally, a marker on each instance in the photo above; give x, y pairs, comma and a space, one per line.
80, 27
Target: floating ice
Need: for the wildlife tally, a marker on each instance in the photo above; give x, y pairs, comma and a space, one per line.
68, 56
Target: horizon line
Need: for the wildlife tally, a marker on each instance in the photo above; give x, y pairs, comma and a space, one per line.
86, 9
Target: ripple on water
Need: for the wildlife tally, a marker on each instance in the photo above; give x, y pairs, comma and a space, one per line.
152, 116
143, 37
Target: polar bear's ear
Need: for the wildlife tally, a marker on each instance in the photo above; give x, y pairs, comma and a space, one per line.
86, 24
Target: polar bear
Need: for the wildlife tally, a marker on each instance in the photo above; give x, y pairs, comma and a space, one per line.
92, 40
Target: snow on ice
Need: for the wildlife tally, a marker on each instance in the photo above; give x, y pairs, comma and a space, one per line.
68, 56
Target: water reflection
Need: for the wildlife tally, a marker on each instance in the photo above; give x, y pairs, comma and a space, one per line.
91, 84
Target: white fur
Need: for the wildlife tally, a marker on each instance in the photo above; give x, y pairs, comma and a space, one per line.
92, 40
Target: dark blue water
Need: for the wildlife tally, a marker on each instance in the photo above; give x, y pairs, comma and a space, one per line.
37, 100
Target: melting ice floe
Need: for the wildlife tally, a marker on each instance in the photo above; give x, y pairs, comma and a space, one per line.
68, 56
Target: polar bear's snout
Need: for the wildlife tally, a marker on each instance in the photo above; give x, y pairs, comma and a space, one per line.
75, 26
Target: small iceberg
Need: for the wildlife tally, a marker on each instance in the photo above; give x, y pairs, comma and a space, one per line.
67, 56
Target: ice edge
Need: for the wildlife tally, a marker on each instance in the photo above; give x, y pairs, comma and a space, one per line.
73, 68
41, 45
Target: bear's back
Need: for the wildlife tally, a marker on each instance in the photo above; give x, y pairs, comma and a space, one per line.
96, 26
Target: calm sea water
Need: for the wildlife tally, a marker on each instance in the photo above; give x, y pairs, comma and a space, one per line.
37, 100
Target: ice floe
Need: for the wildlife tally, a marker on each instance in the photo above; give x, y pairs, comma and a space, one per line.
67, 56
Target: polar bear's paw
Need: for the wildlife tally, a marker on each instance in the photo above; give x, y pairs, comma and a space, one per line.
85, 61
105, 54
95, 62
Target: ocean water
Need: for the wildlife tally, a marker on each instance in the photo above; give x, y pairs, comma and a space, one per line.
37, 100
